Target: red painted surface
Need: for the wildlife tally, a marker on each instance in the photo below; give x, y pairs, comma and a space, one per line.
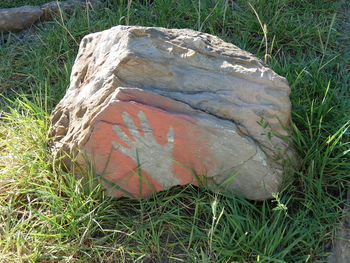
190, 148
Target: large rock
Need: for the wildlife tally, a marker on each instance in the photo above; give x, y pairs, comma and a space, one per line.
57, 8
150, 108
17, 19
341, 248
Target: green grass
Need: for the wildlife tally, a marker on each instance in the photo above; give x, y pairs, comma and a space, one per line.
18, 3
48, 215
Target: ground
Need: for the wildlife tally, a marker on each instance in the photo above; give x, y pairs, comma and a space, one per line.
48, 215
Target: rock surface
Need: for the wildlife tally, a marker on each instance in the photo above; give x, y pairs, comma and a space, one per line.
56, 7
341, 249
17, 19
151, 108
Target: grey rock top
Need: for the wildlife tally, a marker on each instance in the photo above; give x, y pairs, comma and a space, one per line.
196, 68
341, 249
17, 19
239, 105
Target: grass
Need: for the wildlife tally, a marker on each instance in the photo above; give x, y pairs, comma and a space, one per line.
48, 215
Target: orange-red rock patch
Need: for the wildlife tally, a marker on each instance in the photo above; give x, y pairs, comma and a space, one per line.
190, 153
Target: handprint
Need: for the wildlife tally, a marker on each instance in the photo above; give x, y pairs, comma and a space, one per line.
155, 159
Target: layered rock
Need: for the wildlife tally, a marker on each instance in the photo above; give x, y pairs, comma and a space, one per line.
16, 19
151, 108
20, 18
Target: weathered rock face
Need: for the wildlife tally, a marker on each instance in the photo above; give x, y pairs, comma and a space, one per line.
56, 8
16, 19
150, 108
341, 247
51, 8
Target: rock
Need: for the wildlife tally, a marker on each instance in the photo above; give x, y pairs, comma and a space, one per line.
341, 248
17, 19
64, 6
151, 108
56, 7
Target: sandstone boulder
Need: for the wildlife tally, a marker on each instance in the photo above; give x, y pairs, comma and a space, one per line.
151, 108
17, 19
56, 8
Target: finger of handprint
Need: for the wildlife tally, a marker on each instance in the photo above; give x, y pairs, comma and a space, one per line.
144, 123
121, 134
118, 147
131, 125
170, 135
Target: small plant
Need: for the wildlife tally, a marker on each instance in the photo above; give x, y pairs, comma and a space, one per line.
279, 206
